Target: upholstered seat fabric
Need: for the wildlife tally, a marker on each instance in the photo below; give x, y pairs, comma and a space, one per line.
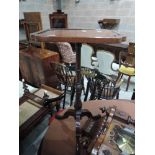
127, 70
67, 54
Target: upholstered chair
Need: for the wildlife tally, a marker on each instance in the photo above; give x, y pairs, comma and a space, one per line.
106, 63
127, 63
66, 52
87, 59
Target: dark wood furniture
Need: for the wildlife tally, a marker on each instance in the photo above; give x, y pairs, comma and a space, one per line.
108, 23
104, 87
35, 67
78, 37
66, 77
58, 19
31, 112
100, 86
61, 134
113, 48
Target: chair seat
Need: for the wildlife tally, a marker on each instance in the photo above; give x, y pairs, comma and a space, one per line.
127, 70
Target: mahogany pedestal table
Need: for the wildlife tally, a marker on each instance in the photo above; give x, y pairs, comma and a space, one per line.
78, 37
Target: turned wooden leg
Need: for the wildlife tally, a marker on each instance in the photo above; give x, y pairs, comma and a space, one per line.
87, 90
64, 97
58, 106
72, 95
83, 88
128, 83
120, 75
133, 95
117, 96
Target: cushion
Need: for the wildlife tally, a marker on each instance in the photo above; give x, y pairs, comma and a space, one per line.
127, 70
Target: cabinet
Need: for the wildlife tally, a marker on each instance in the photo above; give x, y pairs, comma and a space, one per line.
35, 66
58, 20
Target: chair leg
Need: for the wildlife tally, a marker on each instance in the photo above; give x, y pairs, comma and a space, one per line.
72, 95
64, 97
87, 91
120, 75
58, 106
92, 96
117, 96
133, 95
128, 83
83, 88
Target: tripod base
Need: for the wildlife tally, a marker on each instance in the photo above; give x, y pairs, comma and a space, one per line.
80, 113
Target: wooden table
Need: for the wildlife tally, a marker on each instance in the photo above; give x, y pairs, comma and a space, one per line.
78, 37
60, 137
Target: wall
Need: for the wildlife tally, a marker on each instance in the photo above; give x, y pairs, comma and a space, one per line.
86, 13
44, 6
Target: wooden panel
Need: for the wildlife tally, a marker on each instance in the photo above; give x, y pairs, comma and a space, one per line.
32, 23
34, 17
35, 66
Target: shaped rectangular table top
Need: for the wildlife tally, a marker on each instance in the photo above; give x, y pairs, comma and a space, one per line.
78, 36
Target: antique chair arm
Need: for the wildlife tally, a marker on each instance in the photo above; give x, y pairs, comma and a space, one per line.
48, 102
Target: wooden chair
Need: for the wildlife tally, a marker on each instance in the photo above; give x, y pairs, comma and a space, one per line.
66, 77
127, 63
32, 23
31, 27
88, 74
104, 87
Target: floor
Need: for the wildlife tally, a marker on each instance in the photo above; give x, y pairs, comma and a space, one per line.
30, 145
